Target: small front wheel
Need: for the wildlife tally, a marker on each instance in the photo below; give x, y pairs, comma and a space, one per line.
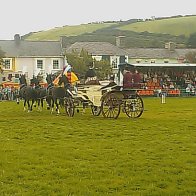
69, 107
110, 106
96, 110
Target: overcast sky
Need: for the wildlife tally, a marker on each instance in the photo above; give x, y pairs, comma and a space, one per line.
24, 16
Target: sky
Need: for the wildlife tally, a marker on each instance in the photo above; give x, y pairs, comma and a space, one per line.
24, 16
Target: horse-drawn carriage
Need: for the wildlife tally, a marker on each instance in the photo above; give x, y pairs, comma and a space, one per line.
110, 101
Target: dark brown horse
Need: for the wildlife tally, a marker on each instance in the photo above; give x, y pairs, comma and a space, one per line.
56, 94
27, 93
40, 92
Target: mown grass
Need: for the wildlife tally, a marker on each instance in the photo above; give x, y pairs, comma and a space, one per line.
44, 154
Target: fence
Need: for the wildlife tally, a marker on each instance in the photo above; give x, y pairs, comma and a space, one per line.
168, 93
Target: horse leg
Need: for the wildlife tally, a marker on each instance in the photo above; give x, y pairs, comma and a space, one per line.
38, 103
52, 105
48, 102
61, 102
57, 106
17, 100
42, 103
25, 101
32, 104
29, 106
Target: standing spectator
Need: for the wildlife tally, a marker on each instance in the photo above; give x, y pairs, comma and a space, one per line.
1, 93
9, 93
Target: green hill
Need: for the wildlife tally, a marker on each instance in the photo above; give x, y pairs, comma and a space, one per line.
54, 34
138, 33
173, 26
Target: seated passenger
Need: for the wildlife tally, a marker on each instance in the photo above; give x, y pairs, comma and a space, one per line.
90, 77
127, 78
136, 80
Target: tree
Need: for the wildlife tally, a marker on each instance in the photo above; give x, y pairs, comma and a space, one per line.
191, 57
103, 69
79, 61
192, 41
82, 61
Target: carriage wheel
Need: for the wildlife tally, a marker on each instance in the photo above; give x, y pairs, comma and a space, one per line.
96, 110
134, 106
110, 106
69, 107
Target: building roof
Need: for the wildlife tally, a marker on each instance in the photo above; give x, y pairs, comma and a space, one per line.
97, 48
157, 53
23, 48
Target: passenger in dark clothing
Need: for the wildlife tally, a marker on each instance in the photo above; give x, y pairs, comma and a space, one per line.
90, 73
91, 78
136, 80
127, 78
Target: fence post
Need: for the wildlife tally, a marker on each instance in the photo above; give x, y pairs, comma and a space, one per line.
163, 95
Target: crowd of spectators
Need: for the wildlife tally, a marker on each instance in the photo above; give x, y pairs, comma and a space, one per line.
8, 93
169, 79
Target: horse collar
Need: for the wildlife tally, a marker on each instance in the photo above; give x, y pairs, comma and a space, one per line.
22, 86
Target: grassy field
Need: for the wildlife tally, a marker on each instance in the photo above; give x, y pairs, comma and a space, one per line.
174, 26
44, 154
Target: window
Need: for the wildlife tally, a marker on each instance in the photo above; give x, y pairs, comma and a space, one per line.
114, 65
55, 64
138, 60
166, 60
105, 57
7, 63
152, 61
39, 64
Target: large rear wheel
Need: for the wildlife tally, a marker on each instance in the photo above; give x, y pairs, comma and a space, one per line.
110, 106
134, 106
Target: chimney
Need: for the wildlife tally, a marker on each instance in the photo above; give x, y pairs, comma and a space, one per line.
17, 39
120, 41
170, 46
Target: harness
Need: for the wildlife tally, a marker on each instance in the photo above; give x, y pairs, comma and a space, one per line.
22, 86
